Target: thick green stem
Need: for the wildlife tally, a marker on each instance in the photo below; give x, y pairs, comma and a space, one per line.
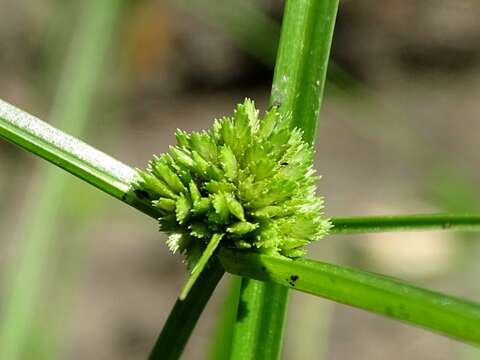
384, 295
370, 224
258, 333
302, 61
297, 88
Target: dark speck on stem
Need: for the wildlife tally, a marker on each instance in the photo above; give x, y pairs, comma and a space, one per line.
141, 194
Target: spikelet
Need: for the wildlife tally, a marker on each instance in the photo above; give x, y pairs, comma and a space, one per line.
250, 181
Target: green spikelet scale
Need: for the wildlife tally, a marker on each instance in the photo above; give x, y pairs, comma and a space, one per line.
249, 183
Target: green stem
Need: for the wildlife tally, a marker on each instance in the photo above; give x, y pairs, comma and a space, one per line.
261, 311
297, 88
384, 295
185, 314
370, 224
302, 61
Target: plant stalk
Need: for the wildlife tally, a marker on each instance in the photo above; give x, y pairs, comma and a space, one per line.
371, 224
298, 83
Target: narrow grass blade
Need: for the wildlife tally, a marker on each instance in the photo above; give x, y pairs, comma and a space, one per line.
72, 103
384, 295
70, 154
185, 314
65, 151
370, 224
200, 266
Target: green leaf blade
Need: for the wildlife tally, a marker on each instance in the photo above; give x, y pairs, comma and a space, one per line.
444, 314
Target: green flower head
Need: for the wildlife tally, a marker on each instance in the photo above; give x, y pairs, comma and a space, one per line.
247, 183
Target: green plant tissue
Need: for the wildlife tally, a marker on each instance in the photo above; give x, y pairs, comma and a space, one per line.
247, 179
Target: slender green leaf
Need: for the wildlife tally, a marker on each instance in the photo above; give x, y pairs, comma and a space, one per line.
185, 314
202, 262
370, 224
384, 295
71, 154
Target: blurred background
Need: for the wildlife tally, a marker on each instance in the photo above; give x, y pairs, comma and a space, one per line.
85, 277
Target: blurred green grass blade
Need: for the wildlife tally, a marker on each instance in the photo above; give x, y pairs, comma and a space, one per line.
185, 314
72, 103
249, 27
221, 345
384, 295
371, 224
299, 80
